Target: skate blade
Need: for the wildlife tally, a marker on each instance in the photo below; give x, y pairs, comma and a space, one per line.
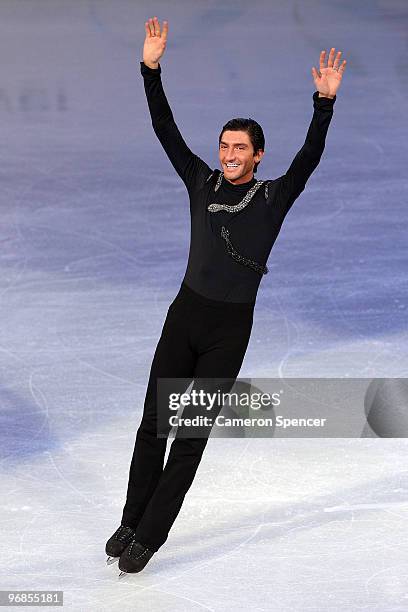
122, 574
111, 560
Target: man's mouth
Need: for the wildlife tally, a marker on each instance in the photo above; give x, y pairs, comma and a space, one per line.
231, 166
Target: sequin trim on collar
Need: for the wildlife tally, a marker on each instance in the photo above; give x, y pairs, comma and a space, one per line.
214, 207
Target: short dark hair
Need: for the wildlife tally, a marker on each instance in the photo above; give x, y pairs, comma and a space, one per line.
252, 128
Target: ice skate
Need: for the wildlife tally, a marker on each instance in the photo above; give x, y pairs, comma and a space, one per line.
134, 558
118, 542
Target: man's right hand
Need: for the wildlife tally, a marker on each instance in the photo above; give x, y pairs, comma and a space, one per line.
155, 42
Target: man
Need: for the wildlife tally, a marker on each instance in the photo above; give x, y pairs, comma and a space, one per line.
235, 221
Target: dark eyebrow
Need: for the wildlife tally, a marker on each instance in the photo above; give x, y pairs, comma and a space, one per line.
235, 143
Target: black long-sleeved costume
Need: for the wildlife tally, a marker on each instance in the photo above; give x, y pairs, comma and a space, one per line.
212, 270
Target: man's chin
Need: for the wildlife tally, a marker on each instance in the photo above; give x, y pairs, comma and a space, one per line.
233, 178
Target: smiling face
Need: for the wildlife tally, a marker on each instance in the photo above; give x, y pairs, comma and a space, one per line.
237, 156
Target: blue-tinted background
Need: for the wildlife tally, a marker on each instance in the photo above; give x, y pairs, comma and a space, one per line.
94, 231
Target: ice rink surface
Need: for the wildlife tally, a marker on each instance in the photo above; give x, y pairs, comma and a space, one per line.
94, 242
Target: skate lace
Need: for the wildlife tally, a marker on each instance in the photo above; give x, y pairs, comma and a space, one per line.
141, 552
123, 533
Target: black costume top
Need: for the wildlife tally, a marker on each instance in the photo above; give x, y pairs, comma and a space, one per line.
229, 250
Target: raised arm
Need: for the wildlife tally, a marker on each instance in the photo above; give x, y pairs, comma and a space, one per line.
327, 82
188, 166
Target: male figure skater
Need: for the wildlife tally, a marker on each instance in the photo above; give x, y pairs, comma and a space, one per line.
235, 220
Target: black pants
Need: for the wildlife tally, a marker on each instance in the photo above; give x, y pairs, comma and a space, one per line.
200, 338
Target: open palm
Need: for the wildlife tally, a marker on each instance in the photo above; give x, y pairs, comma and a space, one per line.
328, 79
155, 41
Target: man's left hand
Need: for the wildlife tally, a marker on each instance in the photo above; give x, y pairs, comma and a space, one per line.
328, 79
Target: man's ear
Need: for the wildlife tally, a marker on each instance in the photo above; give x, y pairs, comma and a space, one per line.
259, 155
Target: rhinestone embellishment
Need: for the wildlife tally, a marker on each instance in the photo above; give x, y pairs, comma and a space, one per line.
244, 202
219, 181
225, 234
266, 190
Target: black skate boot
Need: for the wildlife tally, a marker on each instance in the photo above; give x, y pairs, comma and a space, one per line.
134, 558
118, 542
